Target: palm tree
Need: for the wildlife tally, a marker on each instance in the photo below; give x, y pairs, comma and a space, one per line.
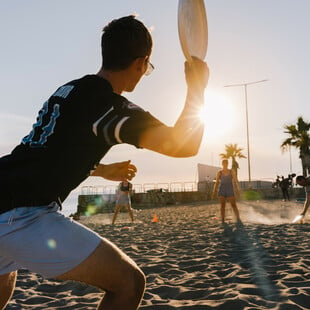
233, 152
299, 138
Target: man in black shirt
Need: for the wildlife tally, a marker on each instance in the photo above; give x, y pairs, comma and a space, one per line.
75, 128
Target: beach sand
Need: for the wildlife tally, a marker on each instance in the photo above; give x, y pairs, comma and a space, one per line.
192, 261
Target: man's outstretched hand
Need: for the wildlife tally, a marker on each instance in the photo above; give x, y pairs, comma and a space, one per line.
121, 171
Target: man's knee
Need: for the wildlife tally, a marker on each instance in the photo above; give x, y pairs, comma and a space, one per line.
133, 282
115, 272
140, 280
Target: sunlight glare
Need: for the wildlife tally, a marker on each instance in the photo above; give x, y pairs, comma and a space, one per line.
218, 114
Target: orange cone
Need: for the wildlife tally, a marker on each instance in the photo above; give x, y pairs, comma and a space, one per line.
155, 219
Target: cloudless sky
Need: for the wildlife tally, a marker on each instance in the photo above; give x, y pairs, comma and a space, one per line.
44, 44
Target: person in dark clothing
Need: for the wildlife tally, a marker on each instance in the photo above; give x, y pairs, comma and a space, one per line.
285, 185
74, 130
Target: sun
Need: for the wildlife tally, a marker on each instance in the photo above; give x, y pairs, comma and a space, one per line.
218, 115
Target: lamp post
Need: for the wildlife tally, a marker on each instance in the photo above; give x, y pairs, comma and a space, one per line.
290, 159
245, 85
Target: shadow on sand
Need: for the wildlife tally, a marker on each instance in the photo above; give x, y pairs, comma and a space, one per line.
250, 254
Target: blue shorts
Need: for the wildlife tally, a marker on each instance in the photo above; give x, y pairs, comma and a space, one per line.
43, 240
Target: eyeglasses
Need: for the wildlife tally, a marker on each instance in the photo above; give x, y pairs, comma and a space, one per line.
149, 69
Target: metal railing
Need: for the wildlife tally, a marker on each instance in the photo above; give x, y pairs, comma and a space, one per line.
142, 188
169, 187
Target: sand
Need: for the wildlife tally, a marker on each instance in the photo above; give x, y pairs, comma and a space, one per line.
192, 261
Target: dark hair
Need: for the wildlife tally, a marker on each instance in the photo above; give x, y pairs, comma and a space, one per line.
300, 178
225, 161
124, 40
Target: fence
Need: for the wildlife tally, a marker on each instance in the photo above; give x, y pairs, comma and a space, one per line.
142, 188
102, 198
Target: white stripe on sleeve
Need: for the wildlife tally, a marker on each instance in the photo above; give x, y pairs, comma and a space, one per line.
95, 125
118, 129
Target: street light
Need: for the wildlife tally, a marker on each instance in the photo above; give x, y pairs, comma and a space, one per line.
245, 85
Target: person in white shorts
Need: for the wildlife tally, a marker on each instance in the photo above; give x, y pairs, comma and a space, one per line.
123, 200
74, 130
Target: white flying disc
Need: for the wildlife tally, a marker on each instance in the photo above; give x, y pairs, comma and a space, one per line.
193, 28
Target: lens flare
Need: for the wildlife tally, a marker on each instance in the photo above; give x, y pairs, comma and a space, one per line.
52, 244
90, 210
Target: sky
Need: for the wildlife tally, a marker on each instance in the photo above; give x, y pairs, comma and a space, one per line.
45, 44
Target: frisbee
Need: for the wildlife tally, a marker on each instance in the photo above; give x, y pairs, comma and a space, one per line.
193, 28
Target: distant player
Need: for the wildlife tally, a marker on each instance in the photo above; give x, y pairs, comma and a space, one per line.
304, 182
123, 199
226, 188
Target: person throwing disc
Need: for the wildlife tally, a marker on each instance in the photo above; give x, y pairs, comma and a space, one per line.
75, 128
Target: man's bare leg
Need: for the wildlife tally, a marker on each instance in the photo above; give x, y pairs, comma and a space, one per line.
109, 269
7, 285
